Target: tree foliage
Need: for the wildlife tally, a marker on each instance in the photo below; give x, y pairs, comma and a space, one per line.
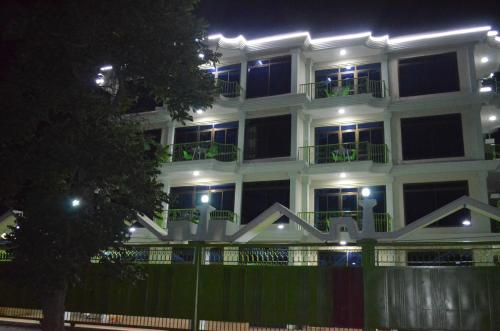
65, 138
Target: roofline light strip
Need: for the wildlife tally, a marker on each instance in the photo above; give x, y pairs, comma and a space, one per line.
385, 38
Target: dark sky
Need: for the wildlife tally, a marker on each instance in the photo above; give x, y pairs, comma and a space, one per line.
258, 18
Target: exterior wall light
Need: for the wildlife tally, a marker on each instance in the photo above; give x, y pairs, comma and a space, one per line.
466, 222
492, 118
485, 89
365, 192
131, 230
199, 111
75, 203
343, 243
484, 59
201, 56
343, 175
343, 52
196, 173
281, 226
106, 68
205, 198
341, 111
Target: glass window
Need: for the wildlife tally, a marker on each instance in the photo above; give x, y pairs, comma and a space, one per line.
224, 133
346, 199
258, 196
440, 258
428, 75
423, 198
221, 197
269, 77
267, 137
432, 137
229, 73
339, 259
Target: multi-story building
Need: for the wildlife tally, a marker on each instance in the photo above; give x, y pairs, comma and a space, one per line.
315, 124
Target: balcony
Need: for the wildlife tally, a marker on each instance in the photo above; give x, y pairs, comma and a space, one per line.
322, 219
193, 215
345, 152
492, 151
344, 87
203, 150
228, 89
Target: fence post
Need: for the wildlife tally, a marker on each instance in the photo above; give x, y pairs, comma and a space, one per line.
197, 261
368, 264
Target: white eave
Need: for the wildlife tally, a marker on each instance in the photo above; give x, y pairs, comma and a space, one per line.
303, 40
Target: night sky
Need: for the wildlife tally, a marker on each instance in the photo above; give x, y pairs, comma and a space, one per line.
258, 18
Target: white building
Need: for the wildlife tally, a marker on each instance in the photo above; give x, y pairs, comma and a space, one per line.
310, 123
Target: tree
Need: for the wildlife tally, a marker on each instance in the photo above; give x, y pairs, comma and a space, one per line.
70, 158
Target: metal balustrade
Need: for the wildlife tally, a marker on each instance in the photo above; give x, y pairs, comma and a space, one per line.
344, 87
322, 219
438, 255
223, 215
188, 214
492, 151
203, 150
228, 89
345, 152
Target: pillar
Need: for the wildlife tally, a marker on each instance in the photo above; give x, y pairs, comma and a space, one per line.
243, 78
368, 263
389, 200
241, 135
294, 138
295, 194
238, 195
170, 137
295, 71
306, 186
471, 70
388, 135
384, 74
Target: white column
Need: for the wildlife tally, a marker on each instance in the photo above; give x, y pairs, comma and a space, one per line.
166, 189
243, 78
479, 191
306, 185
295, 196
384, 74
241, 135
472, 70
170, 136
309, 71
295, 70
388, 133
294, 129
389, 200
238, 195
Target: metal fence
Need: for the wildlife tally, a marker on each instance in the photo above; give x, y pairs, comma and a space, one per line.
344, 87
345, 152
458, 255
203, 150
322, 220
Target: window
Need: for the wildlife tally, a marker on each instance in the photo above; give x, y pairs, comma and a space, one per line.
352, 136
229, 73
345, 202
269, 77
428, 75
432, 137
221, 197
228, 80
424, 198
268, 137
223, 133
346, 80
258, 196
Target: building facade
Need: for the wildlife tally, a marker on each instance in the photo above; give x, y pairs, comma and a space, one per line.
318, 125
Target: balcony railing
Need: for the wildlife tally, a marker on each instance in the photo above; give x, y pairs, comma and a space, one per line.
346, 152
204, 150
190, 215
492, 151
223, 215
344, 87
193, 215
322, 219
228, 89
489, 85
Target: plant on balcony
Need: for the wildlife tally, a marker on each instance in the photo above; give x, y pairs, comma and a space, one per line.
69, 158
212, 151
